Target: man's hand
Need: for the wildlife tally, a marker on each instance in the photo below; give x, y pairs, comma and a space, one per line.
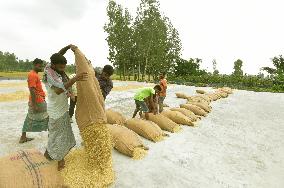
81, 76
35, 108
72, 97
73, 47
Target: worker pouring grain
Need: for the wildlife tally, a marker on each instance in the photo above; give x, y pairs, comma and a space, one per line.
60, 138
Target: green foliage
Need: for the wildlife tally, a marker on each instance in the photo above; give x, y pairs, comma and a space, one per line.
142, 47
215, 71
238, 68
188, 68
251, 82
9, 62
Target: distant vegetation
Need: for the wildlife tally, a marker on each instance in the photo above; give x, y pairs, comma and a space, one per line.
142, 47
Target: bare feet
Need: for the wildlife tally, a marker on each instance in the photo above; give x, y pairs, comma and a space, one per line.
61, 165
24, 140
46, 155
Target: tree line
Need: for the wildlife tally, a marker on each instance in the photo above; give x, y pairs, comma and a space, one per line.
9, 62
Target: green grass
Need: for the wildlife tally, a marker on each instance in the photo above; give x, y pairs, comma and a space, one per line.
18, 75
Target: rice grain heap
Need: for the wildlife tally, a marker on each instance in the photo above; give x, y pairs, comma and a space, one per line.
90, 166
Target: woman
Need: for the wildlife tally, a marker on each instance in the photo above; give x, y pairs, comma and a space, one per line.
61, 138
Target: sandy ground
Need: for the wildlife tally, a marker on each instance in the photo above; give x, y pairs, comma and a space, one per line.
239, 144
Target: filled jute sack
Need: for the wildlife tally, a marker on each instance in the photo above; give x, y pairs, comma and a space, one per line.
181, 95
187, 113
94, 169
200, 91
29, 169
177, 117
195, 109
218, 95
114, 117
146, 129
222, 94
197, 99
127, 142
227, 90
205, 97
213, 96
164, 123
202, 105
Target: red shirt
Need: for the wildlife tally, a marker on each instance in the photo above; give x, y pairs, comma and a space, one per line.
34, 82
163, 84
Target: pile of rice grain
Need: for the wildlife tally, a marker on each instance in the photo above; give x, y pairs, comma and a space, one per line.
90, 166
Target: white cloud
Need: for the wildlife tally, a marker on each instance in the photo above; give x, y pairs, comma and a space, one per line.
222, 29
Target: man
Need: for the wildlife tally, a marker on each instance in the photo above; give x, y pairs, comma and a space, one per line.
163, 93
73, 99
142, 96
60, 138
37, 117
105, 81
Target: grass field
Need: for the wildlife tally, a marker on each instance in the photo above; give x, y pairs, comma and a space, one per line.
23, 75
16, 75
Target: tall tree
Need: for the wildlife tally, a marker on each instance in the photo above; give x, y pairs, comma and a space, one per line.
215, 70
238, 68
119, 37
150, 37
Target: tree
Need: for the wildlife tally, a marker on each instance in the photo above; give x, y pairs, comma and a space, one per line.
119, 37
278, 63
189, 67
215, 71
238, 68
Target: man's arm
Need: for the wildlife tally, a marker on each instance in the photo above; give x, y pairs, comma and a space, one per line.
64, 50
33, 96
79, 77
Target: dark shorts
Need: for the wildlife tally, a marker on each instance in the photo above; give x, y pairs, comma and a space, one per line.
142, 106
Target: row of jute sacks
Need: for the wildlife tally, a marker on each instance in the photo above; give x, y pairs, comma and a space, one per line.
126, 133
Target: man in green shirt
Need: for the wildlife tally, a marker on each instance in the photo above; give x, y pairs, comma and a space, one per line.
140, 100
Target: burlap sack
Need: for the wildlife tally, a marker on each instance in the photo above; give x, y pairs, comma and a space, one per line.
177, 117
205, 97
114, 117
218, 95
195, 109
223, 94
227, 90
95, 169
90, 106
164, 123
200, 91
213, 96
181, 95
29, 169
127, 142
187, 113
146, 129
197, 99
204, 106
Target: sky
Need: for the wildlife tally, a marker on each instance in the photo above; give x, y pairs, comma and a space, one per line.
225, 30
